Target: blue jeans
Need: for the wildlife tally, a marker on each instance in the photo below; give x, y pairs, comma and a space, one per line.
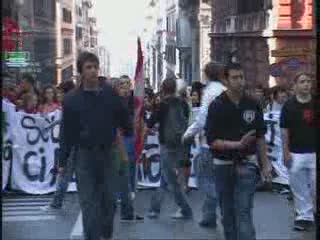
63, 182
235, 189
132, 176
169, 159
204, 170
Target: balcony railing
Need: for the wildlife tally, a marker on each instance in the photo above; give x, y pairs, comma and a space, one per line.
252, 22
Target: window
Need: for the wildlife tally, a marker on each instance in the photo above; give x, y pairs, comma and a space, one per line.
66, 15
67, 46
44, 8
78, 33
249, 6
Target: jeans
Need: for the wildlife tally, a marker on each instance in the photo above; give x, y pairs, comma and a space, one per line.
302, 176
169, 159
96, 176
128, 179
132, 174
204, 170
63, 182
235, 189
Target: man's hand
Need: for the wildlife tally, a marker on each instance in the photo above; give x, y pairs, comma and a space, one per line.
247, 139
266, 173
286, 158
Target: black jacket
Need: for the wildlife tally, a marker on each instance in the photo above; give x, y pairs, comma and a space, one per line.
159, 116
89, 119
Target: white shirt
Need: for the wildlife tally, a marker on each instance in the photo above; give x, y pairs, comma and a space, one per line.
212, 90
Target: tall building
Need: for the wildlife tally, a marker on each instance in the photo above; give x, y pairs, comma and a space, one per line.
93, 35
271, 39
65, 57
29, 38
204, 39
83, 9
188, 40
104, 58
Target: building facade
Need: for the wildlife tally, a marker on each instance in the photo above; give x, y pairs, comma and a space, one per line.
188, 27
29, 32
65, 57
272, 39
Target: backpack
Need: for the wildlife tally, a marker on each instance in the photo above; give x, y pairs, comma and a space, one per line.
176, 123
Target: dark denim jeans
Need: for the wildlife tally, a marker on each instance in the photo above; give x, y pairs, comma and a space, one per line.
235, 189
96, 176
132, 166
128, 179
169, 159
204, 170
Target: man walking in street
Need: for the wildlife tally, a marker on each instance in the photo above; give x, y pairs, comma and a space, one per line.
298, 128
235, 129
173, 121
204, 168
90, 114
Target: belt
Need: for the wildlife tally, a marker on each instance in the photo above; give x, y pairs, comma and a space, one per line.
250, 158
99, 147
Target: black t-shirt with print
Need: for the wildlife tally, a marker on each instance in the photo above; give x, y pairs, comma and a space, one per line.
228, 121
299, 119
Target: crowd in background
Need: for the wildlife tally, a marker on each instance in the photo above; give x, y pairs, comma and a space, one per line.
29, 98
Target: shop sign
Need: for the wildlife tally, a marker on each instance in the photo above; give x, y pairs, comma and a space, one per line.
293, 63
291, 52
17, 56
275, 70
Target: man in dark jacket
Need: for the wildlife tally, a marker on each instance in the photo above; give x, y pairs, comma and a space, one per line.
90, 113
173, 114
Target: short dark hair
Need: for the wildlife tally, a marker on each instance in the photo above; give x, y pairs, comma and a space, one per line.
27, 77
213, 70
86, 57
231, 66
169, 86
278, 89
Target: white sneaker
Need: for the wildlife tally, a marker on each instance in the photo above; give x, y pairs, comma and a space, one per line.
180, 215
49, 208
132, 195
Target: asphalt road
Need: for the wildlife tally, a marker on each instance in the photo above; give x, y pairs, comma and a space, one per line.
22, 219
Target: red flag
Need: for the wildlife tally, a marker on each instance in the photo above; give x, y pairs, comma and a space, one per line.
138, 104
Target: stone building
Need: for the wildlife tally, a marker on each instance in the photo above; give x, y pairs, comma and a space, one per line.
272, 39
30, 33
66, 40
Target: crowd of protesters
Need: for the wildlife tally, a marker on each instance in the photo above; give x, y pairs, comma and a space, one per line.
29, 98
202, 111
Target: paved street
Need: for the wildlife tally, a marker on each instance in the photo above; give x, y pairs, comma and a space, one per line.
23, 220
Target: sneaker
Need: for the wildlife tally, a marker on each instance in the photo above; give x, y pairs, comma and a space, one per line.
180, 215
132, 218
50, 208
300, 225
208, 223
153, 214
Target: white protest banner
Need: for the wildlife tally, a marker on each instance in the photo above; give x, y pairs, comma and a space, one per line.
8, 113
149, 170
35, 154
274, 142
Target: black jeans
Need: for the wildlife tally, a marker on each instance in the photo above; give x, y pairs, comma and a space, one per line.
96, 175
